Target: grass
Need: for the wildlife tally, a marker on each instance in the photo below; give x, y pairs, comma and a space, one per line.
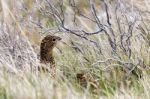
19, 49
42, 87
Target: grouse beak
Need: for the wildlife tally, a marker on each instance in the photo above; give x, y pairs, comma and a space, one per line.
59, 39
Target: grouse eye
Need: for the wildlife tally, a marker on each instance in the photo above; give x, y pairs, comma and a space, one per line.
54, 39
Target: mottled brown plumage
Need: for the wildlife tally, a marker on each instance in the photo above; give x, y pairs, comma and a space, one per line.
83, 79
46, 51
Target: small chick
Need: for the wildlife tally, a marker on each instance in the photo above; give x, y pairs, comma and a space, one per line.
83, 79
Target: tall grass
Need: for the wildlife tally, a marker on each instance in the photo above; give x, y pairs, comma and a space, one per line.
22, 27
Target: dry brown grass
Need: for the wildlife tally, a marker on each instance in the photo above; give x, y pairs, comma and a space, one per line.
22, 26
